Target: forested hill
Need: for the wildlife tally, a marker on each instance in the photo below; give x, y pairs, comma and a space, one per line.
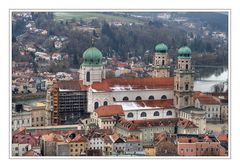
128, 34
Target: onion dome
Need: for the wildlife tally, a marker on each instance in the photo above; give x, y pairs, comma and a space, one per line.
184, 51
162, 48
92, 56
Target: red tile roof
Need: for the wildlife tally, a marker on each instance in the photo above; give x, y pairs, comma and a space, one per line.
24, 139
183, 123
222, 138
110, 110
187, 140
164, 122
78, 138
109, 84
205, 99
134, 83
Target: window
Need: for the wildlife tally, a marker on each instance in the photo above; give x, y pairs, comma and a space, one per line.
186, 101
138, 98
96, 105
186, 87
156, 113
186, 66
41, 118
143, 114
151, 97
163, 62
164, 97
37, 118
130, 115
176, 100
105, 103
125, 98
114, 99
169, 113
88, 76
177, 86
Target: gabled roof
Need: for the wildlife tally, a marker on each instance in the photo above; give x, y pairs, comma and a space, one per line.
206, 99
110, 110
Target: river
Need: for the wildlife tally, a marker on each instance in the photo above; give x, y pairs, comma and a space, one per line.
207, 77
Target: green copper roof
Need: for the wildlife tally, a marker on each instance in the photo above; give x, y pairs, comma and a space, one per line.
92, 56
162, 48
184, 51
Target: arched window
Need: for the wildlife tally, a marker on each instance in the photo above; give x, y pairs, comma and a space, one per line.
186, 87
186, 66
177, 86
96, 105
163, 62
143, 114
130, 115
125, 98
151, 97
169, 113
164, 97
114, 99
156, 113
186, 101
138, 98
88, 76
105, 103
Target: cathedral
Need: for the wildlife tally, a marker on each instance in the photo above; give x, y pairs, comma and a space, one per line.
160, 96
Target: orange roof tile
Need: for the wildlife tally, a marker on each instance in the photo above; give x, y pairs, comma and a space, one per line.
205, 99
164, 122
134, 83
110, 110
222, 137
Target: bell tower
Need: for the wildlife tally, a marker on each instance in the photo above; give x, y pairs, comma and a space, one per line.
161, 61
92, 69
183, 79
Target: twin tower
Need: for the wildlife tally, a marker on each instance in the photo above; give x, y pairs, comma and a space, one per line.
92, 70
184, 73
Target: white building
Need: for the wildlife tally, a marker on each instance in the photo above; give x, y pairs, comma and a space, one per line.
142, 98
210, 105
21, 119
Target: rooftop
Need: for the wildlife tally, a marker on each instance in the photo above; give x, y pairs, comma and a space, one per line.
136, 125
110, 110
193, 138
146, 104
119, 84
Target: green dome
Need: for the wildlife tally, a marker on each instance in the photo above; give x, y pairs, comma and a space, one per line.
92, 56
162, 48
184, 51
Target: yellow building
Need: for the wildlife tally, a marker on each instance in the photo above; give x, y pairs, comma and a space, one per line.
149, 150
40, 117
78, 145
